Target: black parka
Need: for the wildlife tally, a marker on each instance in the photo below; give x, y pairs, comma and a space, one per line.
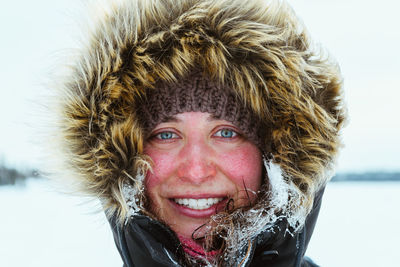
257, 48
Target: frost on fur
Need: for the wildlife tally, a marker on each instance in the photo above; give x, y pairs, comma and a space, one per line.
283, 201
258, 48
285, 196
131, 45
132, 194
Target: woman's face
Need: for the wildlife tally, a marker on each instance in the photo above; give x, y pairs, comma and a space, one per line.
199, 164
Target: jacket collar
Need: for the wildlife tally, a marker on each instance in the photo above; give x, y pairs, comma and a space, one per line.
143, 241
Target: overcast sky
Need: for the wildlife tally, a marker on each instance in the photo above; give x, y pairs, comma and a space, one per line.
363, 36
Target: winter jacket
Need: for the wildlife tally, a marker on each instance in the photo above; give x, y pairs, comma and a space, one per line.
146, 242
259, 49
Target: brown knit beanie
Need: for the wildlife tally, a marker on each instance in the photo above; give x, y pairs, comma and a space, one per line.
193, 93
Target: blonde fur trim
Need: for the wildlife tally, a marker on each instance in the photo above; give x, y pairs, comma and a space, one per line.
258, 48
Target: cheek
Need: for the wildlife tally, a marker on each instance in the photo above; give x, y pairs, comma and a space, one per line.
243, 166
163, 167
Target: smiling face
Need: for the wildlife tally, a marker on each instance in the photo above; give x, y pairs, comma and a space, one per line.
199, 163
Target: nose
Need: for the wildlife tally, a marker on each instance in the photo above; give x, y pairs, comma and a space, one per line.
196, 164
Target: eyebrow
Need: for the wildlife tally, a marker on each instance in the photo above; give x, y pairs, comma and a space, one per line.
173, 118
212, 117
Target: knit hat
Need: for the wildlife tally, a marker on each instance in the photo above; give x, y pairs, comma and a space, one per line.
197, 92
258, 49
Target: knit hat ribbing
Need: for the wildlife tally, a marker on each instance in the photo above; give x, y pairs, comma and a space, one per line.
194, 93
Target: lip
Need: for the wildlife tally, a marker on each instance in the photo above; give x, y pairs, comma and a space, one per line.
198, 196
206, 213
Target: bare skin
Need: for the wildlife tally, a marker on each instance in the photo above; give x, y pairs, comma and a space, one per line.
199, 164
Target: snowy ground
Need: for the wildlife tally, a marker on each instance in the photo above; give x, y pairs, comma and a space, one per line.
358, 226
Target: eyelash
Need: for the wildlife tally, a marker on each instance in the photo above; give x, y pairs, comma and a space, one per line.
218, 134
234, 133
158, 135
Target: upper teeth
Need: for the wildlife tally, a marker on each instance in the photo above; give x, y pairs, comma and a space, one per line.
197, 204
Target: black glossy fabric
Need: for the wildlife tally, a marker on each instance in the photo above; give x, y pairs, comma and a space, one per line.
145, 242
281, 249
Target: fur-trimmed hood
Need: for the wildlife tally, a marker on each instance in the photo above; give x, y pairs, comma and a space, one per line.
258, 48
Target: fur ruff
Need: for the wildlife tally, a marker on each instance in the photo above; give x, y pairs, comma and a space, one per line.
258, 48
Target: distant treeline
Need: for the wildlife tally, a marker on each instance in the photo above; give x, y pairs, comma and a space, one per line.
367, 176
12, 176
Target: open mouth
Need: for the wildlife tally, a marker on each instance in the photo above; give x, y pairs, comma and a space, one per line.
198, 204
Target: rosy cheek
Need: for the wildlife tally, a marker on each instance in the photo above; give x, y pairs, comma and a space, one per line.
162, 168
243, 166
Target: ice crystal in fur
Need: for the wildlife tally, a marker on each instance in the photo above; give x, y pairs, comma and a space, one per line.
133, 194
283, 200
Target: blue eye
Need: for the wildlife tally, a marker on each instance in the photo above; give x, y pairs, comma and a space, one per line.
166, 135
226, 133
